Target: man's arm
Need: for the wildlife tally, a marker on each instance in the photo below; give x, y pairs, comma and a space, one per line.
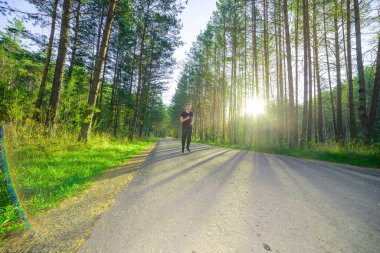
192, 120
181, 119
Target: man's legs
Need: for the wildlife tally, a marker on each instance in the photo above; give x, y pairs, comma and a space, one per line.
188, 139
184, 134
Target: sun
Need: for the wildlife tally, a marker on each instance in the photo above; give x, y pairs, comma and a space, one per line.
255, 107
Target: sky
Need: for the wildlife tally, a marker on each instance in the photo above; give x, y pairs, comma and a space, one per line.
194, 19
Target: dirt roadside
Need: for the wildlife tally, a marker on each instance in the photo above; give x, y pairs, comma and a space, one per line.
66, 227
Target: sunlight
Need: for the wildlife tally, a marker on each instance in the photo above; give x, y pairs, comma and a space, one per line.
255, 106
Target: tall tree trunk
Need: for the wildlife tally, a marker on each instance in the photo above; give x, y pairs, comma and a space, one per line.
359, 58
146, 98
116, 77
137, 109
100, 100
305, 75
117, 103
266, 60
60, 66
41, 91
343, 35
224, 81
315, 104
375, 96
281, 118
95, 46
351, 106
231, 102
310, 111
328, 72
75, 42
86, 125
254, 45
215, 82
317, 75
296, 91
233, 95
255, 67
338, 79
139, 86
292, 112
245, 75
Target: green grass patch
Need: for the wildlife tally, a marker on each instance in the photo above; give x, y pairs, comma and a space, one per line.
366, 156
46, 170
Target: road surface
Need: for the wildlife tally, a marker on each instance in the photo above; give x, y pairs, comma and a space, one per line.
222, 200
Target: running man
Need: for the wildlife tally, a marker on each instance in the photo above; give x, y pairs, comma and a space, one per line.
187, 120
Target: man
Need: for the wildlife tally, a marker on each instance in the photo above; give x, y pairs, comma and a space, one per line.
187, 120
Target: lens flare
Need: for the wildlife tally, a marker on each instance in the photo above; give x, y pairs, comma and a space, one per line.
255, 106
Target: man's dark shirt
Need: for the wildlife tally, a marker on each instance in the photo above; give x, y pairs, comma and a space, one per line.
187, 122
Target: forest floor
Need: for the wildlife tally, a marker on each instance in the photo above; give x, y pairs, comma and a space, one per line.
65, 227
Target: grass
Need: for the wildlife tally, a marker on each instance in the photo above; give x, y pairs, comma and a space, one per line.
47, 170
347, 154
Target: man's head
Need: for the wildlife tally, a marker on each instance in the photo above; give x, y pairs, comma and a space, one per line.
187, 107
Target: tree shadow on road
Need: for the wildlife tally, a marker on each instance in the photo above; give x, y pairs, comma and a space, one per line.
231, 161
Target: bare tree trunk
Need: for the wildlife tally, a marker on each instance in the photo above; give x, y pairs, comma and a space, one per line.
305, 76
359, 58
328, 73
351, 105
317, 75
375, 96
343, 35
116, 103
146, 98
255, 66
115, 83
310, 111
338, 79
41, 91
139, 86
215, 82
99, 65
281, 117
245, 75
224, 81
296, 91
60, 66
100, 100
266, 60
292, 112
75, 42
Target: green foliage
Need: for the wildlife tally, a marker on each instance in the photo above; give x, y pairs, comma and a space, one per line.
74, 99
9, 220
20, 71
15, 30
369, 74
47, 170
158, 120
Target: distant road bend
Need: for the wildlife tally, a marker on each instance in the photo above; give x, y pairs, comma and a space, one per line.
222, 200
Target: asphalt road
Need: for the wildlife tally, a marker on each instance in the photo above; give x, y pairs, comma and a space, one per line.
222, 200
